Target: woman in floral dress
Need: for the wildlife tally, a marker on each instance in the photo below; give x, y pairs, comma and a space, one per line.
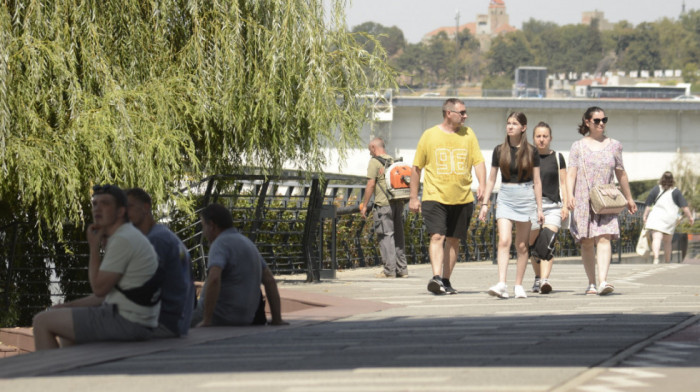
595, 159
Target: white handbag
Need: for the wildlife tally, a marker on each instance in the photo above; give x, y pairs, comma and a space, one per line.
643, 243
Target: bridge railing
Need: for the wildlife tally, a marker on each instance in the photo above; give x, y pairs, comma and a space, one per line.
301, 224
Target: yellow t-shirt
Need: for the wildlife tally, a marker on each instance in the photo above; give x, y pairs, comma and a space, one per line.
446, 160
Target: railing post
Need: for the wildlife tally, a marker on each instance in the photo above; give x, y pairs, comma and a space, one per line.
11, 259
313, 218
258, 219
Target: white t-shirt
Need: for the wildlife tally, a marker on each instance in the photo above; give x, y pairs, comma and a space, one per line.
131, 254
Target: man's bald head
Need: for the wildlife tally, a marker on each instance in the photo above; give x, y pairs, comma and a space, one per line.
376, 146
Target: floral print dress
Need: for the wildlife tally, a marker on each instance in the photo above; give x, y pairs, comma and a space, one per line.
600, 169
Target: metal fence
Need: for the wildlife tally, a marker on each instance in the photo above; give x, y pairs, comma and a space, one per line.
301, 225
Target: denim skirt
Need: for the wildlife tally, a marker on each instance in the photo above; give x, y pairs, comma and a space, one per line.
517, 202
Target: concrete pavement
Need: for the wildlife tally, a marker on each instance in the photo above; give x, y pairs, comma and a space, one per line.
360, 333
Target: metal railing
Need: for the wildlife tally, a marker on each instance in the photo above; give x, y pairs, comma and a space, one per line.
301, 225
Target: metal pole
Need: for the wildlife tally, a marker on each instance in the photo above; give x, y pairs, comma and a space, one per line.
454, 76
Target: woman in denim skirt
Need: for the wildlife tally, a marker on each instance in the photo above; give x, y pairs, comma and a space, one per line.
519, 200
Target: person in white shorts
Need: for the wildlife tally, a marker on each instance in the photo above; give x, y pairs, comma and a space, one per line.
553, 178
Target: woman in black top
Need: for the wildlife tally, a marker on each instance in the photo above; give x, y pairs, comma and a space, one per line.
519, 200
554, 207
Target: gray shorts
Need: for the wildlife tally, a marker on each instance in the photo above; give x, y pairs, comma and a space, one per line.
104, 323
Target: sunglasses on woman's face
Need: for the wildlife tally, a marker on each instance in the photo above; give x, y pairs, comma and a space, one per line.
598, 120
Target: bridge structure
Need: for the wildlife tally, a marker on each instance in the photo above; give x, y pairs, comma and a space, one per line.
654, 133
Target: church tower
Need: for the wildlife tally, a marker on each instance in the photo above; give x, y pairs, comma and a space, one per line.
498, 17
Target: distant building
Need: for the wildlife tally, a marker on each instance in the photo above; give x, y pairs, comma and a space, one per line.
588, 17
609, 88
486, 27
530, 82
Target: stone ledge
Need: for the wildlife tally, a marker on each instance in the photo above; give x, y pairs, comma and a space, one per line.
311, 308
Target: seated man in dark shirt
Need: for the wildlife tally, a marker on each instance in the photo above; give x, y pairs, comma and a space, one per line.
177, 287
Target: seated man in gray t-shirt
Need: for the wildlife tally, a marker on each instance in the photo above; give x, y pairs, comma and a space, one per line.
231, 293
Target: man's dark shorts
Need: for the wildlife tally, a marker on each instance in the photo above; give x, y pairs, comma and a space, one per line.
448, 220
104, 323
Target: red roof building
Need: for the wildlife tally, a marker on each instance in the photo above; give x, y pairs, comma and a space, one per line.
486, 27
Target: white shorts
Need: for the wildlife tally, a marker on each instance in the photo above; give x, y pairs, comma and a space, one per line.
552, 213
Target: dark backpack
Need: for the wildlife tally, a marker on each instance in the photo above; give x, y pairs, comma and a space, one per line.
543, 248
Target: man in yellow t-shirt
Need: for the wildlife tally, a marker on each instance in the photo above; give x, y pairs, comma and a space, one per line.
446, 154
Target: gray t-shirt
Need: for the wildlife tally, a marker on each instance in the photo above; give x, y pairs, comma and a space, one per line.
241, 274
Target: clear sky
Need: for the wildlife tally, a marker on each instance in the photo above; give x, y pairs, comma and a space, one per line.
418, 17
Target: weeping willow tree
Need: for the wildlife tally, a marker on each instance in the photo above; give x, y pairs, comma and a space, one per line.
152, 93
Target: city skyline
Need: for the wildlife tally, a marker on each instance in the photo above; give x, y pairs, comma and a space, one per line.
439, 13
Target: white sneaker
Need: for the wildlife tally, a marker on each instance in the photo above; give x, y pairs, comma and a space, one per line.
519, 292
656, 261
500, 290
605, 288
536, 286
545, 286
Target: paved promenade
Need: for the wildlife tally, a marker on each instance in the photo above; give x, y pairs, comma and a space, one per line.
360, 333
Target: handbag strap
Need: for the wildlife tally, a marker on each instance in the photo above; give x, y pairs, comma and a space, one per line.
556, 158
659, 196
583, 163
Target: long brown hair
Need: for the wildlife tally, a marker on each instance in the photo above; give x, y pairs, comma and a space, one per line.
523, 157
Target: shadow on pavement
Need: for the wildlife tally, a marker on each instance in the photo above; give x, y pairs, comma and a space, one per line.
509, 341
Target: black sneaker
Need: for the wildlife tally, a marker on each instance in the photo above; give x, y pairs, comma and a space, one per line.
448, 286
450, 290
436, 287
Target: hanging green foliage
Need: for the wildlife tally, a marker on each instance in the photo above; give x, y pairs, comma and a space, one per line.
157, 93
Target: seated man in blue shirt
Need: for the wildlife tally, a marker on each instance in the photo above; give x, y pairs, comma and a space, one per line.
177, 288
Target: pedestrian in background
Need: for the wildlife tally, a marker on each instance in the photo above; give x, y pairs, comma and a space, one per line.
661, 220
387, 215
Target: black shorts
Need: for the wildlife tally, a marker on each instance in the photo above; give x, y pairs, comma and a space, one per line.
448, 220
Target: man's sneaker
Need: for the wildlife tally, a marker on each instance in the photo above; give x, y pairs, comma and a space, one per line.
402, 274
448, 286
536, 286
545, 287
605, 288
519, 292
436, 287
500, 290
